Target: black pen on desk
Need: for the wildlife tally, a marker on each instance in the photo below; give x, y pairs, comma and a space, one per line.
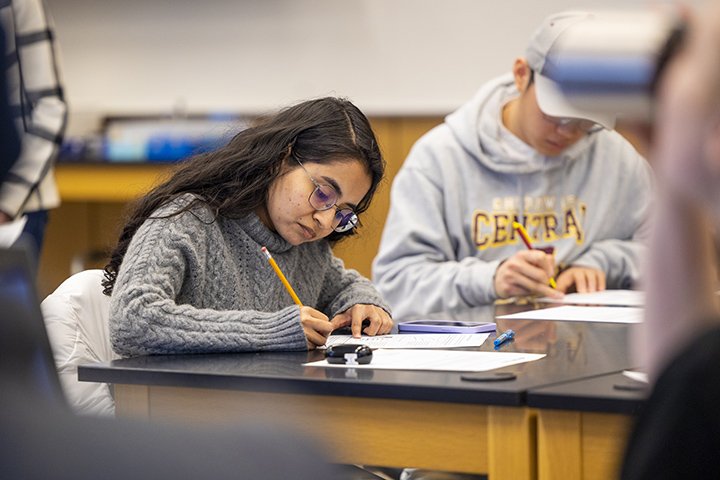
504, 337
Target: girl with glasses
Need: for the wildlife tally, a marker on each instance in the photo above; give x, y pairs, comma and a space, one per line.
188, 273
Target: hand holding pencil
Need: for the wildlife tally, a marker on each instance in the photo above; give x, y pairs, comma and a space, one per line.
526, 240
316, 325
527, 272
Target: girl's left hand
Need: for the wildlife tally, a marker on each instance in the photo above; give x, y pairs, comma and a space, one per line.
380, 321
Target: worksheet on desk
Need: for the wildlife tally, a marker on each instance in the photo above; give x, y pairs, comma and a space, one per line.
610, 298
422, 340
582, 314
637, 375
443, 360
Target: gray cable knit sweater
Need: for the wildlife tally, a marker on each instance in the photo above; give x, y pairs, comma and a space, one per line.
193, 283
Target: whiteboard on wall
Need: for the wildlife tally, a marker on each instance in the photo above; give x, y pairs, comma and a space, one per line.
394, 57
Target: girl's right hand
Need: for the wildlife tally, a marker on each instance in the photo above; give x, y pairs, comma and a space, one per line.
316, 326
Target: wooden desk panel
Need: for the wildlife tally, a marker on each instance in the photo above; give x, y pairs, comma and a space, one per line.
398, 418
512, 448
580, 445
583, 426
499, 441
503, 442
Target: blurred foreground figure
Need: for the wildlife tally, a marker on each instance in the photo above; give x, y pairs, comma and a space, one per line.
678, 433
43, 440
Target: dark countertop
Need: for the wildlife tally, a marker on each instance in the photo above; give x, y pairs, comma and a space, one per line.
610, 393
575, 351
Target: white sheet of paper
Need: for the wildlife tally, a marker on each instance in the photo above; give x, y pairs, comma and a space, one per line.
422, 340
636, 375
442, 360
616, 298
10, 232
583, 314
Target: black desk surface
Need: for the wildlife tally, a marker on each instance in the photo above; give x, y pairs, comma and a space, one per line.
610, 393
575, 350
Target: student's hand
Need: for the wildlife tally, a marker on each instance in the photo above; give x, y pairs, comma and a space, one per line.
380, 321
4, 218
316, 326
583, 279
528, 272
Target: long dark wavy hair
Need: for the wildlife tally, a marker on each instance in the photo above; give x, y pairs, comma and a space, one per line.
234, 180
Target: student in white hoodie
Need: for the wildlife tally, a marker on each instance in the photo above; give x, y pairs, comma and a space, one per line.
516, 152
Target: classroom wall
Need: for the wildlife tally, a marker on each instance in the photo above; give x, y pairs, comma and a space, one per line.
392, 57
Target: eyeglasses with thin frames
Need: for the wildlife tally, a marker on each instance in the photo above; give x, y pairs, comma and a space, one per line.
324, 197
585, 126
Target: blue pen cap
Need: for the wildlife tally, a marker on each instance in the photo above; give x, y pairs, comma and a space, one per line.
504, 337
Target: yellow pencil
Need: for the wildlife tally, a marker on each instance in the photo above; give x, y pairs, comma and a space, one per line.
281, 276
526, 240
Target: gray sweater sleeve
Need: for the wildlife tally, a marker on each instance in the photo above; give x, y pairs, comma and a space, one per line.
343, 288
146, 318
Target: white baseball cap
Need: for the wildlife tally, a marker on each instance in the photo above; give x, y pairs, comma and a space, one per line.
549, 96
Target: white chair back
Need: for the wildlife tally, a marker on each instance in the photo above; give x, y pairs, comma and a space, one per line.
76, 318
